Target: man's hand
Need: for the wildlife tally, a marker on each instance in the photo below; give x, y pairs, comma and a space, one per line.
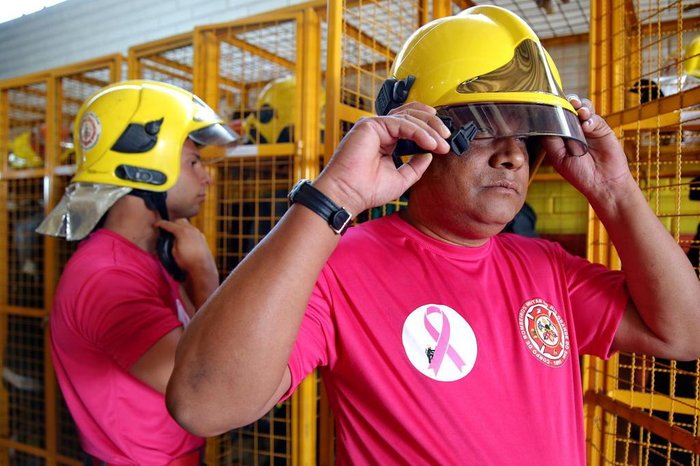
603, 169
192, 254
361, 173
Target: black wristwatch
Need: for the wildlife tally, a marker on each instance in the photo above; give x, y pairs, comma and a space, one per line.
305, 194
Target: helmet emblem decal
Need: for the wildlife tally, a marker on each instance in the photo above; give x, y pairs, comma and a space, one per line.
544, 332
439, 343
90, 130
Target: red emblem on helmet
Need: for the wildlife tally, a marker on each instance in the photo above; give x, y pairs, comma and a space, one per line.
544, 332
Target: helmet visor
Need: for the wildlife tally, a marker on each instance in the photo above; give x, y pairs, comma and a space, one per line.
216, 134
495, 120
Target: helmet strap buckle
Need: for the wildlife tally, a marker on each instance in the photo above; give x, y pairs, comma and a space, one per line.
392, 94
460, 140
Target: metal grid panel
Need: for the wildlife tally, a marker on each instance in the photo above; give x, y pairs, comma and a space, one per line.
25, 280
252, 196
552, 19
37, 123
26, 126
250, 183
75, 89
644, 410
373, 33
23, 378
173, 66
266, 442
250, 57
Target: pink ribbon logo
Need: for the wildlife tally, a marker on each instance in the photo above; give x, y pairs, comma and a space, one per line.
442, 340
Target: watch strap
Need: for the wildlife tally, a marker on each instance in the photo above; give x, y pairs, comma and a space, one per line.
305, 194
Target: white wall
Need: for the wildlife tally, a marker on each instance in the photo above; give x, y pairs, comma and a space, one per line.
79, 30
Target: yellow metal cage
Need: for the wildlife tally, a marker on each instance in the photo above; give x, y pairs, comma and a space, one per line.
292, 82
37, 162
644, 80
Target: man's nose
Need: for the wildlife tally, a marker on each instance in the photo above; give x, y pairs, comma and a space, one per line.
510, 153
204, 176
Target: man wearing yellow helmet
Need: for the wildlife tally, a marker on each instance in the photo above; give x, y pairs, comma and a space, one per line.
439, 340
119, 308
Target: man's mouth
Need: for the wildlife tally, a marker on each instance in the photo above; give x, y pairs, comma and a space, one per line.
505, 184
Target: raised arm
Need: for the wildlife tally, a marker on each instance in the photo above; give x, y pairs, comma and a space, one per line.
231, 364
663, 317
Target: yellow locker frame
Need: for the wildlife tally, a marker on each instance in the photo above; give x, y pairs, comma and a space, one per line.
631, 41
55, 95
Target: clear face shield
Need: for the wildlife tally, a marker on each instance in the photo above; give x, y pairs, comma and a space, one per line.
528, 72
214, 135
519, 120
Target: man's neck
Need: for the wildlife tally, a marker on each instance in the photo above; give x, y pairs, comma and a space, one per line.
129, 217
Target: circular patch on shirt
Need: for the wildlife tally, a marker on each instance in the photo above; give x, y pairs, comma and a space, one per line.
544, 332
439, 342
90, 130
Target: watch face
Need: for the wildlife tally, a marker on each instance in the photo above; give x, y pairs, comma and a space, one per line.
295, 189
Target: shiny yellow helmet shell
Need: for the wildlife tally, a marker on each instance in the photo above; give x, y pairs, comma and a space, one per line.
275, 112
691, 65
484, 54
131, 134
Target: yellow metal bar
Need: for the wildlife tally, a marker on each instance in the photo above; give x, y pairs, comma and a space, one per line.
152, 51
658, 113
133, 67
159, 46
442, 8
326, 439
306, 165
592, 376
4, 270
656, 401
333, 77
26, 80
211, 453
205, 85
674, 434
368, 41
53, 93
169, 65
11, 174
348, 113
279, 14
255, 50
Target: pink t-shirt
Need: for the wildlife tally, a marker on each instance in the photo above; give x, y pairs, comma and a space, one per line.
113, 302
439, 354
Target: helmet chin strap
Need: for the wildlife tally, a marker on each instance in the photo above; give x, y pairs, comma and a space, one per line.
164, 246
154, 201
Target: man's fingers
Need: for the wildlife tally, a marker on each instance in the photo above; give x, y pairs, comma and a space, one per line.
407, 126
173, 226
413, 106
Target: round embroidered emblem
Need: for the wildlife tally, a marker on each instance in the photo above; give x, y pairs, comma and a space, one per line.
90, 130
544, 332
439, 342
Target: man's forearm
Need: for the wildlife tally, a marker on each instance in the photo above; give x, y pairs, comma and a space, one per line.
660, 279
232, 358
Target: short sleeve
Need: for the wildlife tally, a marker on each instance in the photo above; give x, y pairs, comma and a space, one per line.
314, 344
598, 299
125, 315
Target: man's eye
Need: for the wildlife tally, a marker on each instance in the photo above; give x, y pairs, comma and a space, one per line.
483, 133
